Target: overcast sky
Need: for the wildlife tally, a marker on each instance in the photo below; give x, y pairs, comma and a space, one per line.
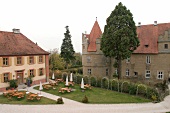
44, 21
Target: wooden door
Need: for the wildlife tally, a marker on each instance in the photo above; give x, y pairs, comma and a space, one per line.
20, 78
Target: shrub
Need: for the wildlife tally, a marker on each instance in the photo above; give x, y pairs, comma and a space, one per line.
58, 74
85, 99
151, 92
86, 81
13, 84
93, 81
142, 90
98, 82
79, 79
132, 88
104, 83
114, 85
60, 101
125, 87
162, 86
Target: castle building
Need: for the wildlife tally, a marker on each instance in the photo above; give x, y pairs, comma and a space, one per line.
21, 58
149, 62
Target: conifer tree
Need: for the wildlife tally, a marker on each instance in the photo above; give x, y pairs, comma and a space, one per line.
119, 39
67, 50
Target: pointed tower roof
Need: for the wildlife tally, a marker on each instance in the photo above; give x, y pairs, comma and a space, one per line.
94, 34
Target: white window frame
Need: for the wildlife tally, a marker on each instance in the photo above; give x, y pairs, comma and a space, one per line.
19, 60
89, 71
6, 77
40, 59
31, 60
5, 61
160, 74
148, 59
31, 72
147, 72
127, 72
127, 60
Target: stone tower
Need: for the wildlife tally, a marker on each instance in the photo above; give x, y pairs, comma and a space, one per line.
93, 61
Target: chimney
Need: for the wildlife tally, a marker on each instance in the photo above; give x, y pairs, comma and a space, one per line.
139, 24
16, 30
155, 23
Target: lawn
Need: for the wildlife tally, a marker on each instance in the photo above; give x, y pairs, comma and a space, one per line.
24, 101
97, 95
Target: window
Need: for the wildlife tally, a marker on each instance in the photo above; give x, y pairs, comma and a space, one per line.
19, 60
148, 59
107, 72
147, 74
160, 74
146, 45
5, 61
89, 71
88, 59
41, 71
31, 59
127, 72
127, 60
83, 47
6, 76
165, 46
32, 73
135, 74
40, 59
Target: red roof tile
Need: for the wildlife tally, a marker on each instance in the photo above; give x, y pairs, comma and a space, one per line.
148, 35
18, 44
94, 34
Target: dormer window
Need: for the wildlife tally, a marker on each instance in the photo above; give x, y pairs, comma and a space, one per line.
165, 46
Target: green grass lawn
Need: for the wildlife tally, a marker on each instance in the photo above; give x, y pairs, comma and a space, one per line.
97, 95
24, 101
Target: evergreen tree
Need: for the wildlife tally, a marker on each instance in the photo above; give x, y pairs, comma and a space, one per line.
67, 50
119, 39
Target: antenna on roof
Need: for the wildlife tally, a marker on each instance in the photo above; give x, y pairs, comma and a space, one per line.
96, 18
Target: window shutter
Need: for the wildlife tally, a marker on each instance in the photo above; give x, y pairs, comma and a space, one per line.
10, 61
44, 71
38, 72
0, 61
43, 58
38, 59
22, 60
28, 73
10, 76
15, 60
28, 60
34, 58
2, 78
34, 72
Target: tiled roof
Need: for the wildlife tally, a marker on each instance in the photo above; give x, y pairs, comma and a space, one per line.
94, 34
18, 44
148, 37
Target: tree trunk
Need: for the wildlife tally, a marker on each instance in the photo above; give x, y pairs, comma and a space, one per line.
119, 69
